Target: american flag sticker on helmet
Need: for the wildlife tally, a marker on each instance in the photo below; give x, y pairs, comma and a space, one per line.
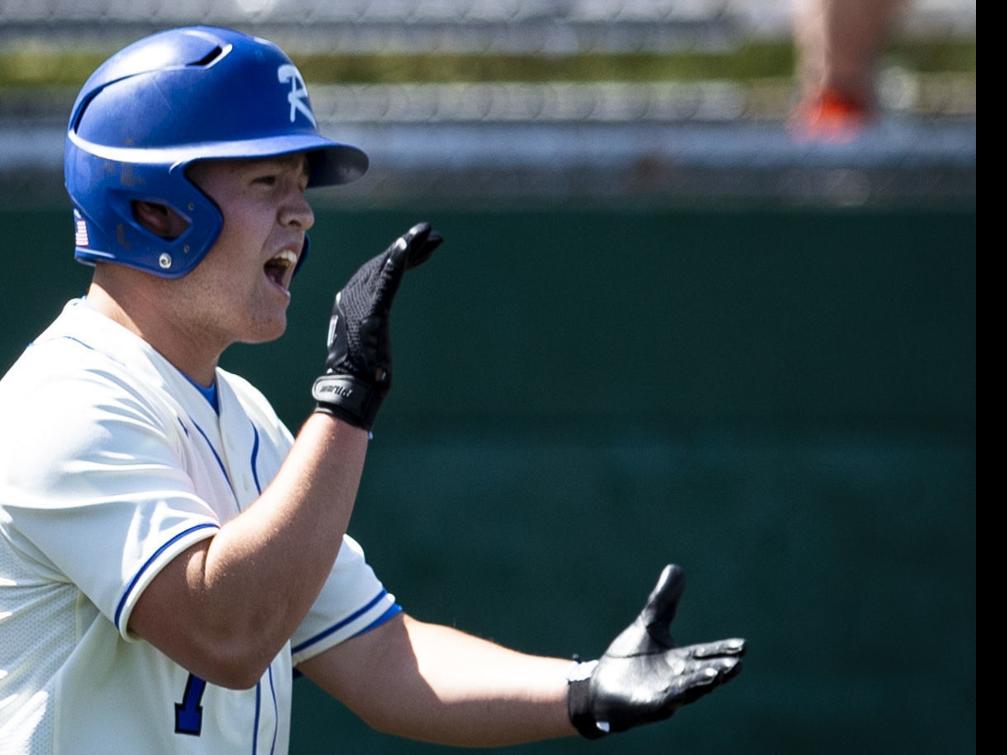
80, 228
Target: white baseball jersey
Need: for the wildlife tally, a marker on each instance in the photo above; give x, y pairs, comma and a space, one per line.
111, 464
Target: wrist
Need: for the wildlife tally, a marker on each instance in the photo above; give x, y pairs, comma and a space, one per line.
348, 398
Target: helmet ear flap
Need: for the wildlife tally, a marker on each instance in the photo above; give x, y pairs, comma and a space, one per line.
112, 232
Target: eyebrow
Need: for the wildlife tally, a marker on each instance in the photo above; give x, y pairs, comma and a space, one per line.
281, 162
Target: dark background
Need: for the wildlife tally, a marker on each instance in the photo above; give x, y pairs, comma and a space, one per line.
783, 401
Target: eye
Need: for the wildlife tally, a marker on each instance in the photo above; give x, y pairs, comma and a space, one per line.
269, 179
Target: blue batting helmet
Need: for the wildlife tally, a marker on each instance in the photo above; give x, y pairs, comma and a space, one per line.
164, 102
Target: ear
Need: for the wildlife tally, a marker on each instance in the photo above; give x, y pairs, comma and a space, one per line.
159, 219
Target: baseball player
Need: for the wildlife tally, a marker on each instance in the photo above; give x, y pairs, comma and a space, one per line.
169, 553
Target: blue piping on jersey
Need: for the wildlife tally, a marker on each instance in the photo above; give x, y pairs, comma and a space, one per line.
77, 340
336, 627
384, 618
276, 712
255, 726
149, 561
393, 610
255, 458
183, 425
215, 456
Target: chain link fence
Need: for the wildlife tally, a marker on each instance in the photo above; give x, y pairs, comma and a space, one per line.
717, 137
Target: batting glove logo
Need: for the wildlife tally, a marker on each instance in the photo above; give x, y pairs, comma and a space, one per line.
298, 94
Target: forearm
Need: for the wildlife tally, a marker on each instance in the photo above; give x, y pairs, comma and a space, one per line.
434, 683
467, 691
231, 602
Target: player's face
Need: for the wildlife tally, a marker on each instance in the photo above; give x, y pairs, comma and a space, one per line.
240, 290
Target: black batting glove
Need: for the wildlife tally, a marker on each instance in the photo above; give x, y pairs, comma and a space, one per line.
643, 676
358, 368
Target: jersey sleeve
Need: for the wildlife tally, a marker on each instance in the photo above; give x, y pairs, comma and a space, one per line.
351, 602
94, 489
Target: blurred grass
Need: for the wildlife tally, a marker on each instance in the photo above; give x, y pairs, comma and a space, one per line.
41, 66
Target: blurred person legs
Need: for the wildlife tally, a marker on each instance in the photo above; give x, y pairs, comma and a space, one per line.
838, 45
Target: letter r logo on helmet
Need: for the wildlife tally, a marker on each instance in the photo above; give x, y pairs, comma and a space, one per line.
298, 95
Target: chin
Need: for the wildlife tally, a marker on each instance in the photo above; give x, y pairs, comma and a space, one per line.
267, 332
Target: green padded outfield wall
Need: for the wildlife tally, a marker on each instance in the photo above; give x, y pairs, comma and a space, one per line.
784, 402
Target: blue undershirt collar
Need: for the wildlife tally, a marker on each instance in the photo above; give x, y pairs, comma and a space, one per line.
209, 392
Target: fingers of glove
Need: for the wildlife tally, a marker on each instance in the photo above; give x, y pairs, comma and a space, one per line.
378, 279
704, 679
415, 246
662, 604
363, 279
408, 245
721, 669
732, 647
694, 686
370, 274
422, 252
409, 250
651, 631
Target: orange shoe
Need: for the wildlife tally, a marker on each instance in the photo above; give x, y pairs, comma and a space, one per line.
831, 116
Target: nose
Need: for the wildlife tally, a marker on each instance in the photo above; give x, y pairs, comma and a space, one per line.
296, 211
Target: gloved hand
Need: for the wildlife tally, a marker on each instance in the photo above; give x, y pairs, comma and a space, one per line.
358, 368
643, 676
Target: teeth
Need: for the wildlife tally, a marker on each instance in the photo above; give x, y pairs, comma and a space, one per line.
287, 258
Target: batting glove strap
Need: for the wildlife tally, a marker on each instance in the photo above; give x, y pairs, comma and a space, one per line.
578, 705
348, 398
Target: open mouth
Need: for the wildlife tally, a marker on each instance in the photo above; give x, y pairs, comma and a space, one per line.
280, 269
